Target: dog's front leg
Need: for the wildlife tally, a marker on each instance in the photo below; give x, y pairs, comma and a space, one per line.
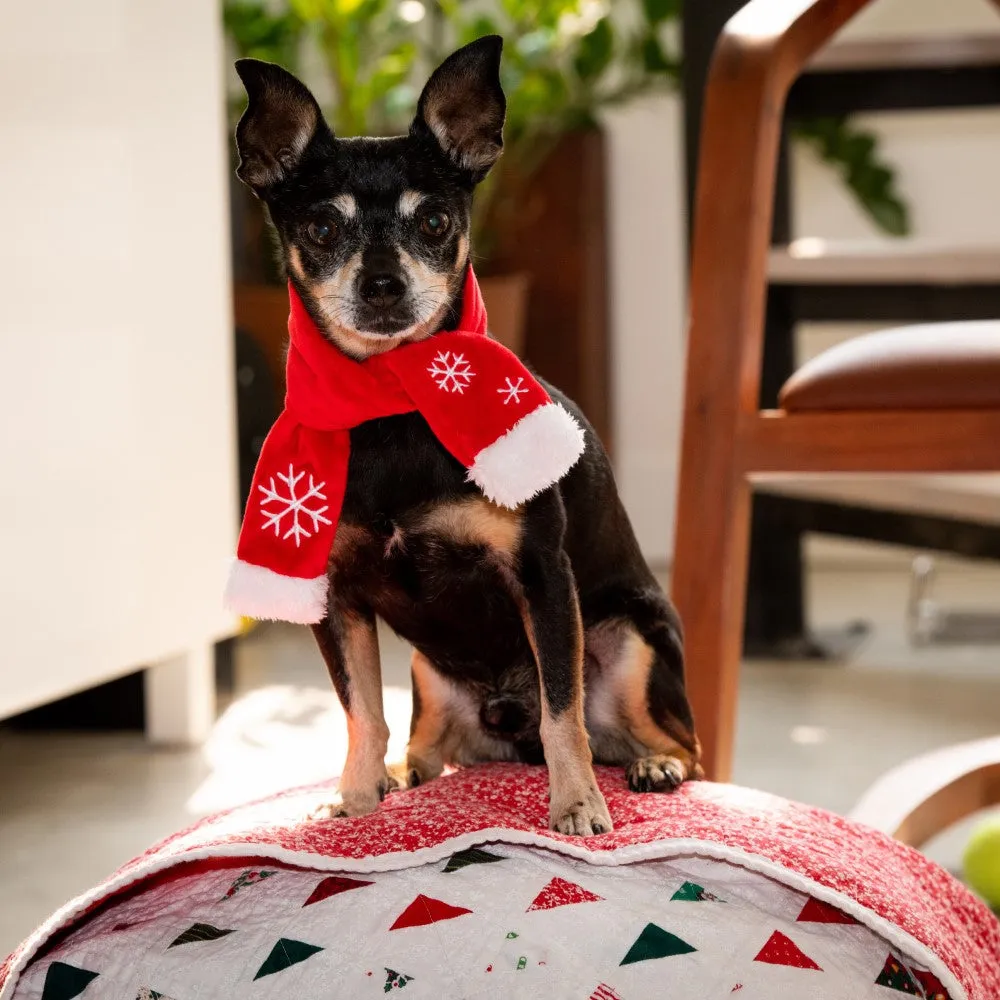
551, 612
349, 644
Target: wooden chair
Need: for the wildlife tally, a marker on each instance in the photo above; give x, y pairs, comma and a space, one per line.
917, 400
924, 796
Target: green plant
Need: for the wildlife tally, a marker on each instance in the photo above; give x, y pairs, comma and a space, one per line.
565, 63
855, 153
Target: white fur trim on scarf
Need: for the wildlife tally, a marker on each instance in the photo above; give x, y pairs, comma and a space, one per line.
256, 592
532, 456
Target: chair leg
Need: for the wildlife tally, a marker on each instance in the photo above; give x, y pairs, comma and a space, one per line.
709, 589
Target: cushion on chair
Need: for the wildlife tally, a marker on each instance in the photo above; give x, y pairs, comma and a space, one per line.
936, 366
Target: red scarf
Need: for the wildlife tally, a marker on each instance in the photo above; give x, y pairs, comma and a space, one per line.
480, 401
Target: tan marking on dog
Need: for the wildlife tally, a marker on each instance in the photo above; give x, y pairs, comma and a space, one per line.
335, 300
425, 751
347, 205
475, 521
576, 805
365, 779
631, 671
295, 262
433, 291
447, 728
409, 202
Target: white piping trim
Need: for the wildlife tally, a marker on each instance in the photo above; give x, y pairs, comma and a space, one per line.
257, 592
655, 851
532, 456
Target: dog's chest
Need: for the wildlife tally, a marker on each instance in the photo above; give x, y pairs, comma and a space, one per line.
419, 546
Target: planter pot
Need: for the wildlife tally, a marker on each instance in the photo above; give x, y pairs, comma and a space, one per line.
506, 298
261, 312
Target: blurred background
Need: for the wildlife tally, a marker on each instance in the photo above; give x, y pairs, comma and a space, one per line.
142, 320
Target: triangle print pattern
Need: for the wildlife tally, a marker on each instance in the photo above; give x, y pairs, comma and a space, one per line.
395, 980
250, 877
655, 942
473, 856
199, 932
559, 892
896, 976
782, 950
932, 985
284, 955
604, 992
691, 892
333, 886
817, 912
63, 982
145, 993
426, 910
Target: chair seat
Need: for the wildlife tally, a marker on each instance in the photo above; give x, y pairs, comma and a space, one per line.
936, 366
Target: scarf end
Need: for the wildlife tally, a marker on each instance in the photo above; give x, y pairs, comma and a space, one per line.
256, 592
532, 456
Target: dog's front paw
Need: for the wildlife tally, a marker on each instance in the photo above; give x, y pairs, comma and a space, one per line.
582, 816
659, 773
355, 801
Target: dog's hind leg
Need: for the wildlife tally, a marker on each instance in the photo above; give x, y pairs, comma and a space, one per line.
638, 712
429, 725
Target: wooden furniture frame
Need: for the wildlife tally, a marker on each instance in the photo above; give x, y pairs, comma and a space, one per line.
726, 438
921, 798
900, 284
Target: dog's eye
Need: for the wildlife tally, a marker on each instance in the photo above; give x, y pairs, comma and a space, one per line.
435, 223
321, 232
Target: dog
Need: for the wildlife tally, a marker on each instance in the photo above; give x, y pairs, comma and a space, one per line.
539, 633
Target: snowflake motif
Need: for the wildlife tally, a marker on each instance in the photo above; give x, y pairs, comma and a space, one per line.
514, 390
451, 372
294, 505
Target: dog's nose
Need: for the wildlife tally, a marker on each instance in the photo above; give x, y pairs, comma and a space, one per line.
381, 290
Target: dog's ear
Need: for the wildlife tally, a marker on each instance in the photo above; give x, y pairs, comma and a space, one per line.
281, 119
463, 106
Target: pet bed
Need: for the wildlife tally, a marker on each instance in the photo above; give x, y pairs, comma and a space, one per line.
456, 889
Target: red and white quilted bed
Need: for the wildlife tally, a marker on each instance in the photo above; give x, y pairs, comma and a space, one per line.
457, 890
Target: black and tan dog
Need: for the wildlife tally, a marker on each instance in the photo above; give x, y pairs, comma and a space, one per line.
375, 239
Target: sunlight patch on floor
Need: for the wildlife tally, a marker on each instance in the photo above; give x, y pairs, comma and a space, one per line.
281, 736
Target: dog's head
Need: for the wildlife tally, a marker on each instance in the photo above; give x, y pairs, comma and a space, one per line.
374, 232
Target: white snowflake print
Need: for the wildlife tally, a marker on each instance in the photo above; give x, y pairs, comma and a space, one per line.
451, 371
294, 505
513, 390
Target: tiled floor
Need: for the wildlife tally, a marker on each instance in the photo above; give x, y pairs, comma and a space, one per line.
73, 807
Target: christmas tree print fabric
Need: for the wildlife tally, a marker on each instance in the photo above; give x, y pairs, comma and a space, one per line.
457, 889
510, 921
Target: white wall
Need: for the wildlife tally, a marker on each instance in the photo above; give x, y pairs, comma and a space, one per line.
948, 164
117, 492
648, 281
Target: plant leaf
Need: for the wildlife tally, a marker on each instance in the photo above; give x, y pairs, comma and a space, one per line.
658, 11
654, 59
595, 50
856, 154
